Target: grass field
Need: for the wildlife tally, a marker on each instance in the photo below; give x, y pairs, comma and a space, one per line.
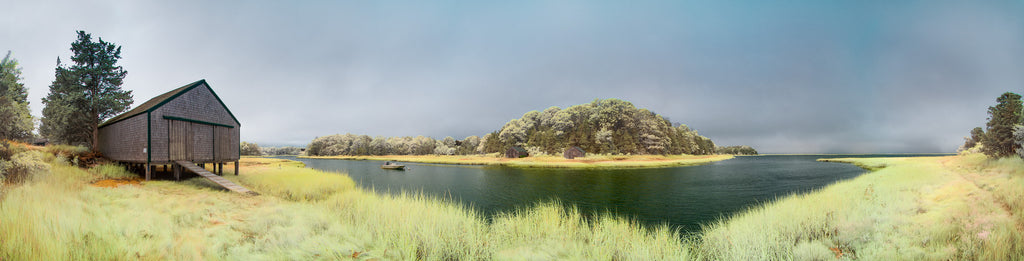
936, 208
593, 161
302, 214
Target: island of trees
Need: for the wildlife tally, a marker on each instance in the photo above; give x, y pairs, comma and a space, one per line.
609, 126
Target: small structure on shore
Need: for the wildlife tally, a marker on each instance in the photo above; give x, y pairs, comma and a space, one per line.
516, 152
188, 125
573, 152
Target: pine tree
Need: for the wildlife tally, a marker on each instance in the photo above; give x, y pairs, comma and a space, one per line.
998, 138
85, 93
15, 119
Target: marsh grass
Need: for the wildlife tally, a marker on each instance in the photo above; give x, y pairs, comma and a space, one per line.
593, 161
302, 214
966, 207
909, 209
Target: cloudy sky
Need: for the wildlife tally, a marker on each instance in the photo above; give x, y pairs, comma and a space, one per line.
798, 77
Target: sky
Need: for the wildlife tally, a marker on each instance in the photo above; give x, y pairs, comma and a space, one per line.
789, 77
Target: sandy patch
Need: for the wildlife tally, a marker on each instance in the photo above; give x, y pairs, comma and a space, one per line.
113, 183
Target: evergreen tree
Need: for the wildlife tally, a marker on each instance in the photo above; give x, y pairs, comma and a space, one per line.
976, 135
15, 119
998, 138
85, 93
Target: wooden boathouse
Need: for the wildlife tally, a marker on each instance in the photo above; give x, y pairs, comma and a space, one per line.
516, 152
186, 128
574, 152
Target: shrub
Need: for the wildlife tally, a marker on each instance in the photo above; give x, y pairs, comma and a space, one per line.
68, 151
21, 166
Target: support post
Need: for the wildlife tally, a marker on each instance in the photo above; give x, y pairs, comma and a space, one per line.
148, 171
177, 171
236, 168
220, 169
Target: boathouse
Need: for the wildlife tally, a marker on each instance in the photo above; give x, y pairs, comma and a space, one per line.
516, 152
189, 125
573, 152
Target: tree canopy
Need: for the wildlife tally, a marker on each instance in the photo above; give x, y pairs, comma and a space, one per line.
736, 150
249, 149
609, 126
85, 93
14, 113
998, 138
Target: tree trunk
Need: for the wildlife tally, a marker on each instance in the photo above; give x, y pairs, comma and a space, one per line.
95, 136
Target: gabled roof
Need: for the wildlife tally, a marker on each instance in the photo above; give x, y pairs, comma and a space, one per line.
160, 100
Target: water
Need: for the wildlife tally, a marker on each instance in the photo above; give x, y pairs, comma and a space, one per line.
684, 196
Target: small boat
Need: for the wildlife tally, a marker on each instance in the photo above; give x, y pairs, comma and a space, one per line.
389, 165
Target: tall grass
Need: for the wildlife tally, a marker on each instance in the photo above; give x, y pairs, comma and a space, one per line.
58, 216
939, 208
910, 209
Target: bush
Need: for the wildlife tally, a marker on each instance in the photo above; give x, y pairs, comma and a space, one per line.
21, 166
67, 151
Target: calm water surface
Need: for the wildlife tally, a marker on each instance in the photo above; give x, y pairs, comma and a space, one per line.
684, 196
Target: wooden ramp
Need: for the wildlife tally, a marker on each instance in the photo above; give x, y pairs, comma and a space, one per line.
213, 177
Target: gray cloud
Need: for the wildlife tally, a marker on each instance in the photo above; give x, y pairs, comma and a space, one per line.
796, 78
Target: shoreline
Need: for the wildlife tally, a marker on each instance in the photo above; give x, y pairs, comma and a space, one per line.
589, 162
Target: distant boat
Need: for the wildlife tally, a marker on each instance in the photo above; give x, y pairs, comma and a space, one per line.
389, 165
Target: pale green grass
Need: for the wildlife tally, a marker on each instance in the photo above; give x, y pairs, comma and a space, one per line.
937, 208
112, 171
910, 209
58, 216
593, 161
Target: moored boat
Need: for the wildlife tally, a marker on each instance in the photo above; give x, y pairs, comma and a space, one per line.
389, 165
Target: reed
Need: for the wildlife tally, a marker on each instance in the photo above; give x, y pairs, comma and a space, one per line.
962, 207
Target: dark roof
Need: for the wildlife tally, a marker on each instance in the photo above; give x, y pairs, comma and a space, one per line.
519, 149
574, 147
160, 100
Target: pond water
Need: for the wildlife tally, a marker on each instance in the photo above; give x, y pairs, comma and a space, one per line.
683, 196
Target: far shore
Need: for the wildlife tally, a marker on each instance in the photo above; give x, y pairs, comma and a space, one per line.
598, 161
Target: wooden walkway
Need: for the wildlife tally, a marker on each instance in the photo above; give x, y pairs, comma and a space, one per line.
213, 177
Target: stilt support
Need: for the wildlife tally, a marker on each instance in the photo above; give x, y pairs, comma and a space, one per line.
148, 171
177, 171
236, 168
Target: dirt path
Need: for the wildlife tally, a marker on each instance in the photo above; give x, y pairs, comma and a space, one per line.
981, 193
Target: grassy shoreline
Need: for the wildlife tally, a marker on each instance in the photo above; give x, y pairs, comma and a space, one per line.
916, 208
600, 161
929, 208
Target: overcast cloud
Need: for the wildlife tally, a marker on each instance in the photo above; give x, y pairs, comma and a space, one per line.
802, 77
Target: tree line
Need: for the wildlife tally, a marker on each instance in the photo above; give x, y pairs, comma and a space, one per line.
253, 149
609, 126
83, 94
736, 150
351, 144
1003, 135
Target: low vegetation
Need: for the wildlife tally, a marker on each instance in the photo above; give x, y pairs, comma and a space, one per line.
61, 214
590, 161
609, 126
936, 208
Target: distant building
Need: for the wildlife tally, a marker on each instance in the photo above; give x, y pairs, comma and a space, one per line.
573, 152
516, 152
187, 124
